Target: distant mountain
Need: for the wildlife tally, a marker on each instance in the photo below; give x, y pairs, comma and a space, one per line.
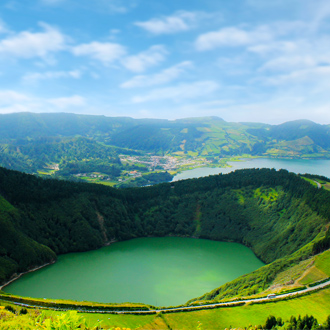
30, 141
297, 129
295, 138
32, 125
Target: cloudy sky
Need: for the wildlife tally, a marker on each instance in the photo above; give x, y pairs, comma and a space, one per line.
242, 60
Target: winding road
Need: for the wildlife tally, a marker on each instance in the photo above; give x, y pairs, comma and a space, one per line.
188, 308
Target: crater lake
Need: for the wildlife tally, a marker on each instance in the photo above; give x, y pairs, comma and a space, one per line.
164, 271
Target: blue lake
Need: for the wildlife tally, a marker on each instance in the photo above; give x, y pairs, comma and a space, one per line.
315, 166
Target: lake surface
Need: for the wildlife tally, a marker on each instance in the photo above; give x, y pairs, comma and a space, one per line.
164, 271
315, 166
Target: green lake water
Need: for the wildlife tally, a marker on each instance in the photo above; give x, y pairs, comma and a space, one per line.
158, 271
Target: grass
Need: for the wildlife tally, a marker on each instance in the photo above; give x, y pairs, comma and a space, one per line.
193, 153
95, 180
44, 172
323, 262
316, 304
326, 186
290, 275
123, 321
313, 275
306, 272
310, 181
312, 272
108, 321
107, 183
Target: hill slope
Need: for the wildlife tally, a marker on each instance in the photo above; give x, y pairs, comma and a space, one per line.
276, 213
203, 136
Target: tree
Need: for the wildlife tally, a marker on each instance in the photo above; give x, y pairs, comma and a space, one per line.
270, 322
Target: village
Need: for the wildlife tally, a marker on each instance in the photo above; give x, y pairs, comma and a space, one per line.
146, 164
167, 163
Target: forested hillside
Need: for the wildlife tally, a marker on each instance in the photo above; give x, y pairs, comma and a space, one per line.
64, 145
276, 213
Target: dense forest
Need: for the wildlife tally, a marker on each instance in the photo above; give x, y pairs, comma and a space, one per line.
280, 216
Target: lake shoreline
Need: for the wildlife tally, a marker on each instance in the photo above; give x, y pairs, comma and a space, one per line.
300, 165
107, 273
17, 276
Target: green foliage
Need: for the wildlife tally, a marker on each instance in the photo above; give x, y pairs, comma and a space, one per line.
276, 213
323, 262
10, 309
23, 311
271, 322
32, 142
147, 180
63, 321
323, 244
307, 322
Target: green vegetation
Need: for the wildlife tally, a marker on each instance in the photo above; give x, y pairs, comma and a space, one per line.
283, 218
248, 315
104, 149
36, 320
323, 263
253, 315
147, 179
313, 182
259, 208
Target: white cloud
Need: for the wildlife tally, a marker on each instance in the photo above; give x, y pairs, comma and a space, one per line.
36, 76
297, 62
28, 45
180, 21
117, 8
140, 62
180, 92
235, 65
232, 37
13, 101
283, 63
8, 97
274, 48
165, 76
3, 27
67, 102
278, 109
319, 14
316, 76
105, 52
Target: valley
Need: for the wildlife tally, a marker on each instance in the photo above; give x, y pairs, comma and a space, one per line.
127, 152
50, 207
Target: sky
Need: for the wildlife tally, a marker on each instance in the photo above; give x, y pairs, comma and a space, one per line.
241, 60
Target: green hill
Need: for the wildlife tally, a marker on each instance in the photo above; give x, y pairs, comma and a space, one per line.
282, 217
81, 147
205, 135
